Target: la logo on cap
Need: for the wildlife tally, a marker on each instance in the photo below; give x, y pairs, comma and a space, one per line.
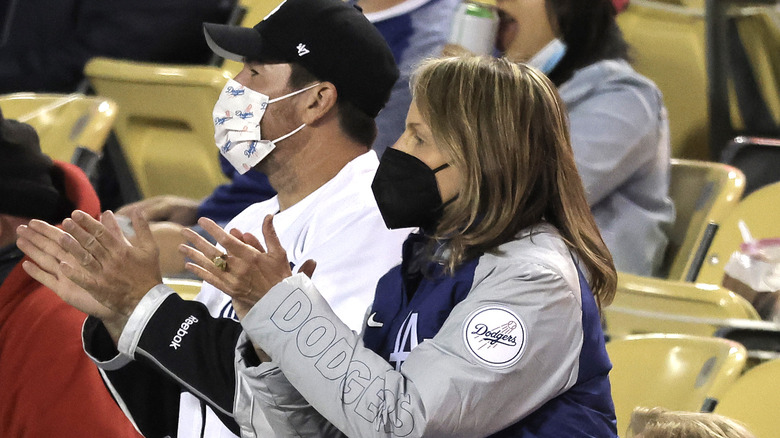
302, 50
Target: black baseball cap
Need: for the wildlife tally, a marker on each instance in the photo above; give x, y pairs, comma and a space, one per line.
330, 38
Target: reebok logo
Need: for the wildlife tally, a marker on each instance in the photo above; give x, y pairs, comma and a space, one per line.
182, 332
302, 50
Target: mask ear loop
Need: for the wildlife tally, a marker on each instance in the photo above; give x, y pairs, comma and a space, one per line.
277, 99
288, 134
285, 97
442, 167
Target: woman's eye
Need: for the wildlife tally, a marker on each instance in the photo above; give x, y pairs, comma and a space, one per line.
417, 140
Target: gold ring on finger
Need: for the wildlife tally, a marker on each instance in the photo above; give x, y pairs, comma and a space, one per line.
220, 262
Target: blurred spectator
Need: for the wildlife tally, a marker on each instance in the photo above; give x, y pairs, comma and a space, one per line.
619, 129
49, 386
414, 30
45, 44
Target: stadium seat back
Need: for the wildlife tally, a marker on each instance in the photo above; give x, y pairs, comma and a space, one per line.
760, 211
669, 47
64, 122
164, 127
677, 372
702, 192
653, 305
754, 399
758, 30
757, 157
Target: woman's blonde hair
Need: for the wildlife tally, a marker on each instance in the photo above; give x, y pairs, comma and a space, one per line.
660, 423
504, 126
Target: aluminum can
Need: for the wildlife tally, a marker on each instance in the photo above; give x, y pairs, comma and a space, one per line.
474, 27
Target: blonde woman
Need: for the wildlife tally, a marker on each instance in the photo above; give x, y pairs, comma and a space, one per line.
661, 423
490, 324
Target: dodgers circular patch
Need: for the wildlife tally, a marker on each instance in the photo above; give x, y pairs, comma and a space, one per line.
495, 335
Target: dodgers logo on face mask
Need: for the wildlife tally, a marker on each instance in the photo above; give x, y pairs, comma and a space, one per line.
237, 116
495, 336
234, 91
246, 114
220, 120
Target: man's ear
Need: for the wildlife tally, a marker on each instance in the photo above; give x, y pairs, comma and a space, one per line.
320, 101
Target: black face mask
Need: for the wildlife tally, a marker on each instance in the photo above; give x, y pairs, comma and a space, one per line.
406, 191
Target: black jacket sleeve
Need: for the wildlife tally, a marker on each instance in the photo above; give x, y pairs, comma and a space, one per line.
181, 348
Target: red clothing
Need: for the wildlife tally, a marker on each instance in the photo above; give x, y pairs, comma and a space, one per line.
48, 386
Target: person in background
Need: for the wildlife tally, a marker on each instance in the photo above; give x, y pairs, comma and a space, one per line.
489, 326
45, 44
663, 423
414, 30
316, 73
48, 386
617, 119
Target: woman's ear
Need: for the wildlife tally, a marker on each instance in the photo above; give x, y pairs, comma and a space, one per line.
319, 102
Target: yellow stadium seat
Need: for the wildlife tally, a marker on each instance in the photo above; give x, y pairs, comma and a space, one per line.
760, 33
754, 399
164, 125
677, 372
760, 211
653, 305
758, 29
757, 157
702, 192
64, 122
187, 289
761, 339
669, 47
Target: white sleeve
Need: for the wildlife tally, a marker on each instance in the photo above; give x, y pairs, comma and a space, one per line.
443, 389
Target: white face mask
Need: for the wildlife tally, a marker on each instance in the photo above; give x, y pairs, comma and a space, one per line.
550, 55
237, 116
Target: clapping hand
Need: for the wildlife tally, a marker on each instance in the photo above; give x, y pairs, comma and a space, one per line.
245, 271
41, 243
94, 257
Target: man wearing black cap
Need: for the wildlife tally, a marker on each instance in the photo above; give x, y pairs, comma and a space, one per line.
316, 73
49, 387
